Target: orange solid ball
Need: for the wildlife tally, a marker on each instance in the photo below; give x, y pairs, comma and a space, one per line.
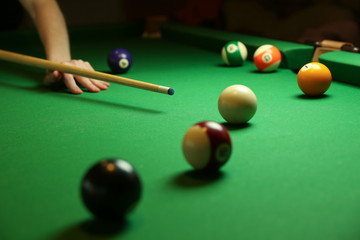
314, 79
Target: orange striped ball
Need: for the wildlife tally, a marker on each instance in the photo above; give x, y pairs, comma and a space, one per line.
267, 58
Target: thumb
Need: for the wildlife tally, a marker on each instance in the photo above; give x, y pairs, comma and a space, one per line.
52, 77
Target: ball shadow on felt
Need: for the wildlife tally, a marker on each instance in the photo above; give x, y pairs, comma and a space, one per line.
307, 97
95, 228
262, 72
235, 126
224, 65
197, 178
104, 228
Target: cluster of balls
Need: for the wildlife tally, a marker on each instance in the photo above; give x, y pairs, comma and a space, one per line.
267, 58
314, 78
112, 188
207, 145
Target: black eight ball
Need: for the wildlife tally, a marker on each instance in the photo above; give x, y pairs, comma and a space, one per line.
110, 189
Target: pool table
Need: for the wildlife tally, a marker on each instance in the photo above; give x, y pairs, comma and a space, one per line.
294, 172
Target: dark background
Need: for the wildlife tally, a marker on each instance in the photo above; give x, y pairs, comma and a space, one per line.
295, 20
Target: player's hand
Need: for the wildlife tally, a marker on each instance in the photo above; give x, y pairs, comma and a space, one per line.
72, 81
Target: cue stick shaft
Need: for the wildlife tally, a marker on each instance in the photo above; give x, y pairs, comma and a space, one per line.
50, 65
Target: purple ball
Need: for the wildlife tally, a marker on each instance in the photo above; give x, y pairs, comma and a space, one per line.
119, 60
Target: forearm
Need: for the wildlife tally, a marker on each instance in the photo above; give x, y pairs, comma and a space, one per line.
51, 26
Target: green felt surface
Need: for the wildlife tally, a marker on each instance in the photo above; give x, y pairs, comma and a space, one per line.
293, 174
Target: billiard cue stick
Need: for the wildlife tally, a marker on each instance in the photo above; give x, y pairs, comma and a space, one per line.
50, 65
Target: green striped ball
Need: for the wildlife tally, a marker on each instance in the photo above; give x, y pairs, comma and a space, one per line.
234, 53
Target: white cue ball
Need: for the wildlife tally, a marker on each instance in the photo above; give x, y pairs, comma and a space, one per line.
237, 104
